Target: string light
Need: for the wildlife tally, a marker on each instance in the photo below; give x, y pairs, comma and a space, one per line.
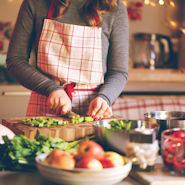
147, 2
182, 30
173, 24
161, 2
154, 3
171, 3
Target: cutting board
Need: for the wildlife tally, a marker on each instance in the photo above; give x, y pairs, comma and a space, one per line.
159, 176
70, 132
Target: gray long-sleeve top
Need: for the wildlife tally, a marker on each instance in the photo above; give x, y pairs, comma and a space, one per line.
26, 34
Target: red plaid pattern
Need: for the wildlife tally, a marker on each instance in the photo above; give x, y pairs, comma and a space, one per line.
37, 105
71, 52
81, 99
134, 109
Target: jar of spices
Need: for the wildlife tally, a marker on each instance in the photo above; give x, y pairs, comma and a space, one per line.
142, 148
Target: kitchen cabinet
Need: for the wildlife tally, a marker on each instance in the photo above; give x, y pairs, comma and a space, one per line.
13, 101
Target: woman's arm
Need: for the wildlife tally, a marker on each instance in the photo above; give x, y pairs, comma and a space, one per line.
117, 69
19, 52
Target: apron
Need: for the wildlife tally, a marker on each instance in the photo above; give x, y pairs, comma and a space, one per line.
72, 55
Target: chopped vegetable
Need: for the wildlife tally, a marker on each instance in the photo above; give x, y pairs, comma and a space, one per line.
43, 122
47, 122
80, 119
120, 124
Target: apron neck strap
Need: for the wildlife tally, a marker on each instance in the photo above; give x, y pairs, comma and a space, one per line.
51, 10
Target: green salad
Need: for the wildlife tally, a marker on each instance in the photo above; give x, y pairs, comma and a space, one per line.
19, 153
120, 124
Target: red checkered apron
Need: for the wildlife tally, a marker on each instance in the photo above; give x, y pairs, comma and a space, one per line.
72, 54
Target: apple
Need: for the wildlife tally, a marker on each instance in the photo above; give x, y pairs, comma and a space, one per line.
90, 149
107, 163
115, 158
89, 163
61, 159
54, 154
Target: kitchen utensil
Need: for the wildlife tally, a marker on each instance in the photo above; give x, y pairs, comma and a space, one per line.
70, 114
173, 149
166, 119
118, 139
79, 176
152, 51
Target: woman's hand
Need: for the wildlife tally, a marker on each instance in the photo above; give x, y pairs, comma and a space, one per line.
59, 102
99, 109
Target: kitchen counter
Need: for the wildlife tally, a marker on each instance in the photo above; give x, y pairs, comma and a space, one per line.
18, 178
156, 81
159, 176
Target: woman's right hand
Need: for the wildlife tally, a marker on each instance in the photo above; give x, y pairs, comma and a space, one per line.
59, 102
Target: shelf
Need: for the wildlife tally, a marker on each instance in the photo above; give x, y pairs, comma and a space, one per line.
159, 80
157, 75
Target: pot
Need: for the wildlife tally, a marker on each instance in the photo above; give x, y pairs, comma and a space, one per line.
166, 120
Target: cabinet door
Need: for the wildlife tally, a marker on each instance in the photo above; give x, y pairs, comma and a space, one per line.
13, 101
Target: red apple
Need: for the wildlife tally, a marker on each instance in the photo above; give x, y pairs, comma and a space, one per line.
90, 149
61, 159
115, 158
89, 163
107, 163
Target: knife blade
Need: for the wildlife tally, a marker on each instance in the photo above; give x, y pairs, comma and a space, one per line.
70, 114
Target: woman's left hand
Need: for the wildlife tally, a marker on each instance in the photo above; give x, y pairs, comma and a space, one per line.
99, 109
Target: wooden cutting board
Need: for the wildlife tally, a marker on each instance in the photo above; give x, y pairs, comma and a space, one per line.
159, 176
70, 132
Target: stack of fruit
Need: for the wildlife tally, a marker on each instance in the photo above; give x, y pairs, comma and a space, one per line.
89, 155
173, 149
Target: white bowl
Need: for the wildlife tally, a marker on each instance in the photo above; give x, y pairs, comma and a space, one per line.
79, 176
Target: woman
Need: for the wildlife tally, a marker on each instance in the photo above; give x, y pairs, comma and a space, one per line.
81, 49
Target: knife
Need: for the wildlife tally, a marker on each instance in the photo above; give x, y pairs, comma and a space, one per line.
70, 114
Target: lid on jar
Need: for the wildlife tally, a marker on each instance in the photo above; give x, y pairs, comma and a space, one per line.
142, 135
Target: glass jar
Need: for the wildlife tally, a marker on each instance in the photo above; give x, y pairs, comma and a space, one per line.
173, 149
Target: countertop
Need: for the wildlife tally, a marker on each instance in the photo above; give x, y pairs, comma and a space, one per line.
17, 178
160, 175
156, 81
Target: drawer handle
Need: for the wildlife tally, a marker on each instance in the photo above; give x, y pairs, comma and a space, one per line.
15, 93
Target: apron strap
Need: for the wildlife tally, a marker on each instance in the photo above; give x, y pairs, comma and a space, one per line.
51, 10
69, 88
